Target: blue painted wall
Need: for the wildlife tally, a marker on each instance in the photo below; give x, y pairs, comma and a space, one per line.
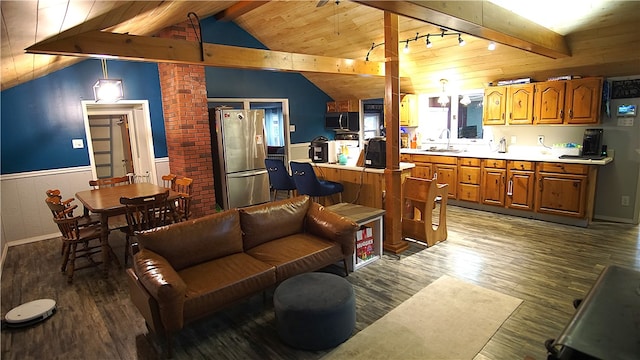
307, 103
39, 118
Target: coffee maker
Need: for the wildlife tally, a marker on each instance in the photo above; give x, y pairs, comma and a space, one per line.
322, 150
592, 142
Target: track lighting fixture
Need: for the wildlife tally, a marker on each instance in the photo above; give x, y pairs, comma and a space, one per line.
492, 46
443, 32
460, 41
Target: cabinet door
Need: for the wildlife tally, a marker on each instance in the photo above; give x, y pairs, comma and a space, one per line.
422, 171
493, 186
408, 110
447, 174
520, 104
549, 102
561, 194
331, 106
520, 190
495, 105
583, 100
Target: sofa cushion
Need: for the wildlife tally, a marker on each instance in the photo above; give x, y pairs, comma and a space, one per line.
297, 254
217, 283
195, 241
274, 220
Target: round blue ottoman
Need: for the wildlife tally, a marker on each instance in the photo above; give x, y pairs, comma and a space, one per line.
314, 311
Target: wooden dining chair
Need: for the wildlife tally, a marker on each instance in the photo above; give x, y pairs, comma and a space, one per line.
109, 182
182, 205
420, 198
169, 181
78, 242
144, 213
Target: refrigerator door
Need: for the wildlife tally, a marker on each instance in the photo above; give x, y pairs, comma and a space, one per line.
243, 140
247, 188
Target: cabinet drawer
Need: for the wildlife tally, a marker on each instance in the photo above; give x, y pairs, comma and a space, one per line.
405, 157
520, 165
469, 161
563, 168
449, 160
469, 175
468, 192
494, 163
416, 158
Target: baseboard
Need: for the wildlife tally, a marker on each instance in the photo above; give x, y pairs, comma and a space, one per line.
614, 219
22, 242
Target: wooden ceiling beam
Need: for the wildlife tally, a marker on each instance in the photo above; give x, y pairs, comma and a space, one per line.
154, 49
482, 19
238, 9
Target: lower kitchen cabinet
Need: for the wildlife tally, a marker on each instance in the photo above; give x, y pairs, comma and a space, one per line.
562, 189
520, 185
469, 179
493, 181
447, 174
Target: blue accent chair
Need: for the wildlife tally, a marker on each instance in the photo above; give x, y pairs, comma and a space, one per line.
308, 184
279, 178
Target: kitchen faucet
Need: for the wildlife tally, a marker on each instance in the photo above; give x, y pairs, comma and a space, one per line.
448, 136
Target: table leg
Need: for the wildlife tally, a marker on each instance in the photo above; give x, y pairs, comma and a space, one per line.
104, 242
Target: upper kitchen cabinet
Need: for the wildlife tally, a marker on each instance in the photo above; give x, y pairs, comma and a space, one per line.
549, 102
343, 106
495, 105
520, 104
409, 110
582, 102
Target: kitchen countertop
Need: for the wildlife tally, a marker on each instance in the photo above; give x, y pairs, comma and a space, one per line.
528, 156
403, 166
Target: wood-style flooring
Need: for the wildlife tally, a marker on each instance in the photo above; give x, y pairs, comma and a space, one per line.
547, 265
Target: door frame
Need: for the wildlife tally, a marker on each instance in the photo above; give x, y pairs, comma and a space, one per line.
140, 134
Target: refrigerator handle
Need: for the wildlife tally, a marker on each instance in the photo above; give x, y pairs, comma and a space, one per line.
248, 173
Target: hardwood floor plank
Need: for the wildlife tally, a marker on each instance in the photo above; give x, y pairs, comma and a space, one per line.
547, 265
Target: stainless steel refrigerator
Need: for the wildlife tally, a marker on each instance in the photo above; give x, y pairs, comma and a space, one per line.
239, 149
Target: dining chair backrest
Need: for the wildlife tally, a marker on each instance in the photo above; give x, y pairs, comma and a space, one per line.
109, 182
184, 186
59, 209
146, 212
72, 235
169, 181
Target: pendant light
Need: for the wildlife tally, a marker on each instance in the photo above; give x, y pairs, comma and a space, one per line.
443, 100
105, 89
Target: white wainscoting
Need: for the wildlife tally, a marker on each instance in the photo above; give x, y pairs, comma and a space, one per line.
23, 213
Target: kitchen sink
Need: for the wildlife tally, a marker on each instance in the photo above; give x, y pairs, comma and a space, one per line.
444, 150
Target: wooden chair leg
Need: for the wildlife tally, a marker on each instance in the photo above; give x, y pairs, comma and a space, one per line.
65, 257
72, 262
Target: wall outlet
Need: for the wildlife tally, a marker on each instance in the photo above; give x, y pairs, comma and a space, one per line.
541, 139
624, 200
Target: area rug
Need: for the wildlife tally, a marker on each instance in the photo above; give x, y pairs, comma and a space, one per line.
449, 319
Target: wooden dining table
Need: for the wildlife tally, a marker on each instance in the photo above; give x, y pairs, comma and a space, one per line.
106, 202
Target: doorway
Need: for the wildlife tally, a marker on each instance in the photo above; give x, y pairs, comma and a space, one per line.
119, 140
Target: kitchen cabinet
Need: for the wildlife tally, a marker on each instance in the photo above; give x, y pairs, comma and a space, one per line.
445, 169
409, 110
469, 179
423, 168
520, 104
561, 189
495, 105
493, 182
520, 185
549, 102
343, 106
582, 101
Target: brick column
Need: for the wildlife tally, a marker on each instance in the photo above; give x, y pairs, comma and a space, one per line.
186, 122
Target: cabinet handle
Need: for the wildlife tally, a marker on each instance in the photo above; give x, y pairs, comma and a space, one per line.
571, 114
561, 114
510, 188
502, 116
541, 184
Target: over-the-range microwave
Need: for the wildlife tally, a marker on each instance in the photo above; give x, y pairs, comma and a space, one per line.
342, 120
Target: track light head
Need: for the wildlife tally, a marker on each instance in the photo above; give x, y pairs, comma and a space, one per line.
460, 41
492, 46
429, 44
406, 47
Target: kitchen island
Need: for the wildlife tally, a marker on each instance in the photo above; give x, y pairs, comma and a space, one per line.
362, 185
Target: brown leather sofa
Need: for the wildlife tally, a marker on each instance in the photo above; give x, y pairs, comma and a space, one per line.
186, 271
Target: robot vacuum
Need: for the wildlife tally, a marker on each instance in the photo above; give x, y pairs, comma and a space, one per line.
30, 313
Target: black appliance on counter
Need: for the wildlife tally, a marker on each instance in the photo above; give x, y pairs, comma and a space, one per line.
342, 121
376, 153
322, 150
592, 142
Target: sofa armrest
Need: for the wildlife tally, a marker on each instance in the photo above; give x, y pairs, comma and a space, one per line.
329, 225
165, 286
